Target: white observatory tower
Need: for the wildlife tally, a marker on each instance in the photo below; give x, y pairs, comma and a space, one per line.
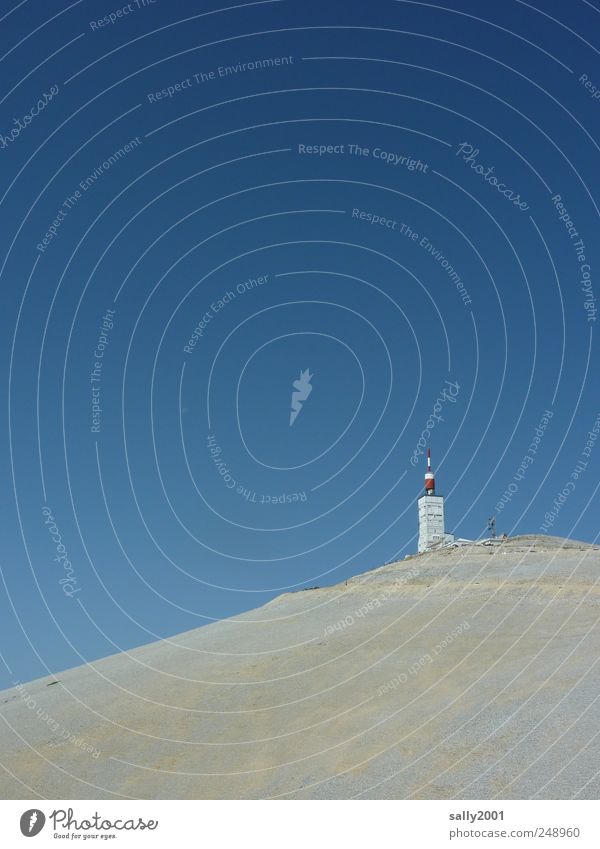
432, 531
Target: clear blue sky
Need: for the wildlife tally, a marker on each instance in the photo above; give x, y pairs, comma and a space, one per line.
269, 208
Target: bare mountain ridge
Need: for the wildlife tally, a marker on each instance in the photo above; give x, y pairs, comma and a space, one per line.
466, 673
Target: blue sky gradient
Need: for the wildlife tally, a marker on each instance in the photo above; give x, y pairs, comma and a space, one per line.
270, 209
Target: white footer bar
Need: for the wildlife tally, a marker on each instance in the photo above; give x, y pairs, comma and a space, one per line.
302, 824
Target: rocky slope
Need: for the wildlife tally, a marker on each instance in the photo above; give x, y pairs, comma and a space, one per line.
469, 673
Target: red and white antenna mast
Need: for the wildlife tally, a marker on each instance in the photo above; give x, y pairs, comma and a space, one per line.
429, 476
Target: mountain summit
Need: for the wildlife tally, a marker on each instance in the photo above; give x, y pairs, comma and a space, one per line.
467, 673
